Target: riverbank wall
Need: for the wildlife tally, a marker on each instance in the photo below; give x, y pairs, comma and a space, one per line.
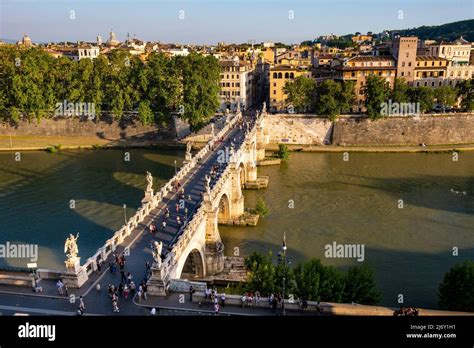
75, 127
310, 130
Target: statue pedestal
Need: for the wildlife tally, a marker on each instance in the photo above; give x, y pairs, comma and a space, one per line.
148, 196
75, 275
158, 283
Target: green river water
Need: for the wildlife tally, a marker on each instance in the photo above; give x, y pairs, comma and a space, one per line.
347, 202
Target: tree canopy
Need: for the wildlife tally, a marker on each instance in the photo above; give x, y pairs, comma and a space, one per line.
33, 82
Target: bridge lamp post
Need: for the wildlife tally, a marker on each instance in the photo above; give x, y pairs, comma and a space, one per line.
125, 213
284, 247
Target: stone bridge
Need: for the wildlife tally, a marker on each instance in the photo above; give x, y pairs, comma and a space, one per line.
192, 248
198, 249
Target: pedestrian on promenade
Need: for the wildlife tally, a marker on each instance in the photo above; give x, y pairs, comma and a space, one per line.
129, 277
257, 297
191, 292
123, 277
66, 292
115, 306
125, 291
216, 309
145, 289
80, 312
153, 311
59, 286
81, 303
120, 289
133, 288
223, 299
99, 267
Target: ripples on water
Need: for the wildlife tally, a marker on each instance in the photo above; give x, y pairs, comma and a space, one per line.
346, 202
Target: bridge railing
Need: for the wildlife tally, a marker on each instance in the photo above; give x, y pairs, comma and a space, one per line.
102, 253
183, 237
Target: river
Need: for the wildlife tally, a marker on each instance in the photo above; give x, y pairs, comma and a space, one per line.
316, 198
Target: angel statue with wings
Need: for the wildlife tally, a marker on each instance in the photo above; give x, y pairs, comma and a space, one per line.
149, 180
157, 248
70, 248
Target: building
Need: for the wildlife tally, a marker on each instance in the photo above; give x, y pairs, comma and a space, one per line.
236, 84
457, 52
173, 52
279, 76
457, 73
430, 71
81, 52
357, 69
112, 41
404, 50
361, 38
25, 41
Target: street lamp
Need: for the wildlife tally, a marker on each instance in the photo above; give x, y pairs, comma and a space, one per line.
284, 247
125, 213
174, 167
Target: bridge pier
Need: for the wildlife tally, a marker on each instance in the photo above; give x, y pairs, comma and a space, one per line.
158, 283
214, 253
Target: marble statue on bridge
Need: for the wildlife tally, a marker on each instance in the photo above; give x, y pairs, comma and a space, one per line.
189, 146
157, 248
208, 184
149, 180
71, 249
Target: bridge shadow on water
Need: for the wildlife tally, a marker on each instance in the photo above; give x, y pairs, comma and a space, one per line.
35, 204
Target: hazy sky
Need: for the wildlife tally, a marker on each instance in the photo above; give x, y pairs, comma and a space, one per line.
210, 21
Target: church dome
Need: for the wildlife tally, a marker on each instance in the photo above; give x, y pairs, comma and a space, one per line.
112, 41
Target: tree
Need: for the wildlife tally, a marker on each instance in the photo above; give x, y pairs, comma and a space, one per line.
422, 95
260, 273
300, 92
333, 98
376, 92
446, 96
283, 152
400, 91
456, 292
360, 286
145, 113
466, 92
317, 282
261, 208
200, 79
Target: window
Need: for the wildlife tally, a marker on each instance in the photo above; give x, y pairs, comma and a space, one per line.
408, 54
409, 63
275, 75
402, 73
287, 76
403, 64
353, 74
274, 92
279, 75
274, 84
292, 76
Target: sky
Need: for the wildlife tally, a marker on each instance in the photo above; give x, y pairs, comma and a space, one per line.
212, 21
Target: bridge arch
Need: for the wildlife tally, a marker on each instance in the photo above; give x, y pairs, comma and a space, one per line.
223, 206
193, 258
242, 174
193, 266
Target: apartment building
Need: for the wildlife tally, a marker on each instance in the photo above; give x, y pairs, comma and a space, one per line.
236, 84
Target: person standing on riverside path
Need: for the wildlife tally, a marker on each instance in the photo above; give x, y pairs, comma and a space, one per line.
191, 292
